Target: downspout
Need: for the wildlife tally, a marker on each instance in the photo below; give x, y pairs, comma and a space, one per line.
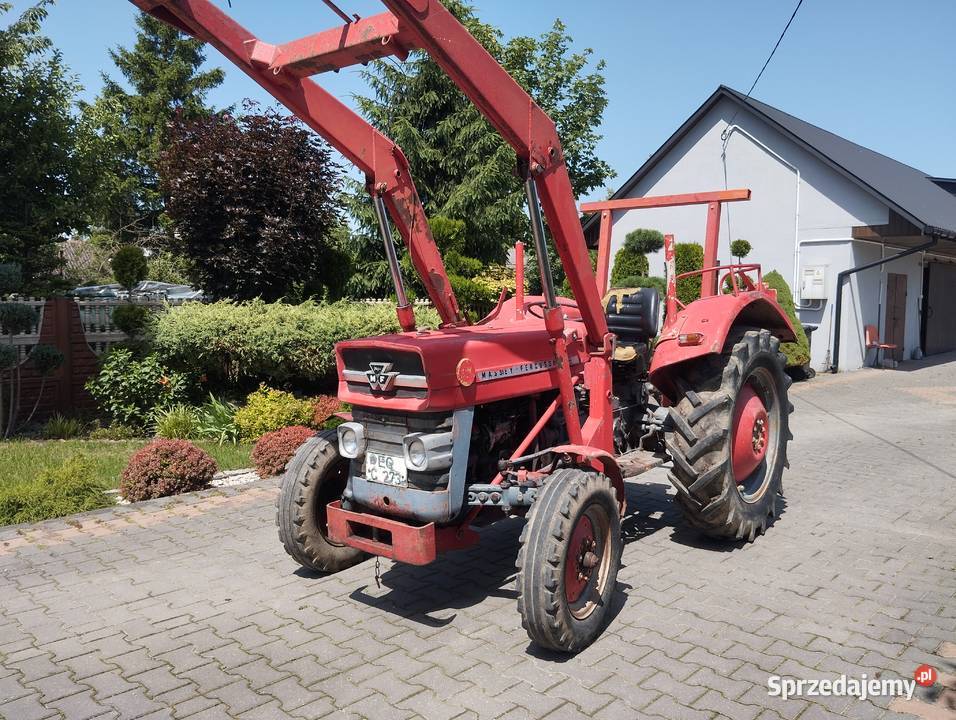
837, 316
725, 137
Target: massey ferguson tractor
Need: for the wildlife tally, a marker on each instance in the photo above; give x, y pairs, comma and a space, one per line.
542, 408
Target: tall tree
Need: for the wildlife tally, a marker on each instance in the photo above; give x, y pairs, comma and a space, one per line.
463, 169
254, 201
163, 80
45, 176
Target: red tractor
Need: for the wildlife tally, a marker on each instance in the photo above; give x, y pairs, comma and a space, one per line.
539, 409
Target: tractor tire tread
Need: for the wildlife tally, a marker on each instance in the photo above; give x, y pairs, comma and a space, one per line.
701, 472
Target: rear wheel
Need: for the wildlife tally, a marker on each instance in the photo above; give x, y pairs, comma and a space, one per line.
316, 476
729, 445
568, 562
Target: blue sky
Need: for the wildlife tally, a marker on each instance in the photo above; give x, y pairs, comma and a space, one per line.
881, 73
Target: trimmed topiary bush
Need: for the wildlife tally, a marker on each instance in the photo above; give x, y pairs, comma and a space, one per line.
166, 467
628, 263
631, 259
268, 409
131, 318
740, 249
46, 359
16, 318
798, 353
644, 241
129, 266
275, 449
70, 488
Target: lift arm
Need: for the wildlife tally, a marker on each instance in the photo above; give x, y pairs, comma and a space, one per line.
281, 71
525, 126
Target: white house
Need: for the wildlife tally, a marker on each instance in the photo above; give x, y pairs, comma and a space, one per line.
820, 206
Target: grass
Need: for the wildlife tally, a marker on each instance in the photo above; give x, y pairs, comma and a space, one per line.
25, 460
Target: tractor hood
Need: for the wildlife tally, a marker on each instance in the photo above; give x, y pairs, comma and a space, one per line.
441, 370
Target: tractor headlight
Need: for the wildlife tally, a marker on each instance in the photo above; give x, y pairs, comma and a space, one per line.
351, 440
417, 457
426, 452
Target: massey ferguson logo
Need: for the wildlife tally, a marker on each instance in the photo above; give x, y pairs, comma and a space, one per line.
380, 376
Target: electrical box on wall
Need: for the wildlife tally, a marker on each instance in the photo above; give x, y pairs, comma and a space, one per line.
813, 283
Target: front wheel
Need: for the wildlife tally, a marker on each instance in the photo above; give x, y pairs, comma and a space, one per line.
568, 562
729, 444
316, 476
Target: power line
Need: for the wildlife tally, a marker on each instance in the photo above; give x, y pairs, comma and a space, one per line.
779, 40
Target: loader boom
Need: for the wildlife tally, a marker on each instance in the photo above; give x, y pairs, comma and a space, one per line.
411, 24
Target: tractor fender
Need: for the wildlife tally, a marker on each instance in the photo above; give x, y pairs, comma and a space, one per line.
714, 318
599, 460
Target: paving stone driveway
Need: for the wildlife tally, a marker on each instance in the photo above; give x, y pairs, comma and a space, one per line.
190, 608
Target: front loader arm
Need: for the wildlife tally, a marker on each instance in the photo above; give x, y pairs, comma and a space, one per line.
524, 125
381, 160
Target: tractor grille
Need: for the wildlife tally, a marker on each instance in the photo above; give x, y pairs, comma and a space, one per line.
385, 431
409, 381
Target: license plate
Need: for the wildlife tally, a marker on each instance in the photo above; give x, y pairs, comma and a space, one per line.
385, 469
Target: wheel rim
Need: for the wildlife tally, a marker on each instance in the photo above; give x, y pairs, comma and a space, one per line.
587, 562
755, 430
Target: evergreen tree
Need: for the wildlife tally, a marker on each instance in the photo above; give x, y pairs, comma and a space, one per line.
463, 169
164, 80
45, 175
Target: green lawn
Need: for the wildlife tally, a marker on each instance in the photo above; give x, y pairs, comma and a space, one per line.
23, 460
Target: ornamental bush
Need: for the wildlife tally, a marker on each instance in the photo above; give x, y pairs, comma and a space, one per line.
132, 390
166, 467
46, 359
129, 266
323, 408
798, 353
644, 241
740, 249
131, 318
268, 409
274, 449
281, 344
16, 318
628, 263
688, 257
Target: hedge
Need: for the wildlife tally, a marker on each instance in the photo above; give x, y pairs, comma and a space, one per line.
628, 263
798, 353
687, 258
274, 342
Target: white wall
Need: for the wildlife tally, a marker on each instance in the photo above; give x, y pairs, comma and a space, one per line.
829, 207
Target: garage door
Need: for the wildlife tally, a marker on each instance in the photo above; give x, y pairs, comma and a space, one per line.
940, 308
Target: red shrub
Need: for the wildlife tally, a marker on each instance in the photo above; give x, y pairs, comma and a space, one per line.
324, 407
166, 467
275, 449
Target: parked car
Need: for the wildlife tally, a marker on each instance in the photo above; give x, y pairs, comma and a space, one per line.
152, 289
